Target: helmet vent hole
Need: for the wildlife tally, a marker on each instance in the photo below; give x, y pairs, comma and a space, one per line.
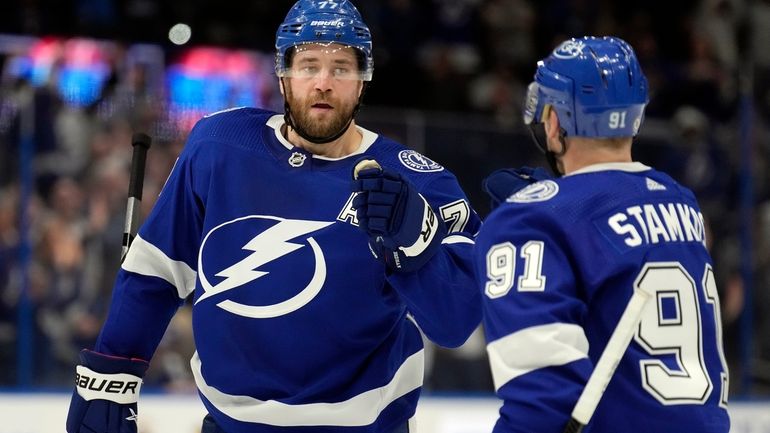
587, 89
292, 28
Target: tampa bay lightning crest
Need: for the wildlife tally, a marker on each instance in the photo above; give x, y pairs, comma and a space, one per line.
538, 191
237, 258
569, 49
416, 161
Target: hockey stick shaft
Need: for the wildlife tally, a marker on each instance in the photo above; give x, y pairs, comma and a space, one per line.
608, 362
141, 143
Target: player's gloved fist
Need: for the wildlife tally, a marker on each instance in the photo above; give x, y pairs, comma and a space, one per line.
403, 230
503, 183
105, 396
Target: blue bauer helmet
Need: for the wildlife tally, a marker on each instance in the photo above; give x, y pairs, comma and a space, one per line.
324, 22
596, 86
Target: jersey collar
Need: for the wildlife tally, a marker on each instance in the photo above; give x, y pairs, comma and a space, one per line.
631, 167
368, 138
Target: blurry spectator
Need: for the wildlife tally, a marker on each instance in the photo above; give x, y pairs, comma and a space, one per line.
31, 112
707, 84
73, 127
509, 31
171, 363
445, 87
9, 242
499, 93
759, 14
706, 169
718, 21
65, 315
11, 285
456, 22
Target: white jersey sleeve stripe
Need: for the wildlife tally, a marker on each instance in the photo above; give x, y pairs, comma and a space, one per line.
457, 239
144, 258
534, 348
361, 410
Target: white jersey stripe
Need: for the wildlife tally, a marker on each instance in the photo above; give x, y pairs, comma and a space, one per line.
457, 239
144, 258
360, 410
534, 348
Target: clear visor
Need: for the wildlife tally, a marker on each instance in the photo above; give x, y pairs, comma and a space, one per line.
530, 104
332, 60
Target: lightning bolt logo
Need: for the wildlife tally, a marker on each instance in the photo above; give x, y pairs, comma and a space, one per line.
267, 246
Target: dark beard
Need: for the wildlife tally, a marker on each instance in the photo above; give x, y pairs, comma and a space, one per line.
300, 114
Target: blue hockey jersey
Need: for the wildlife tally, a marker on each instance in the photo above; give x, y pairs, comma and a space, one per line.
297, 326
557, 264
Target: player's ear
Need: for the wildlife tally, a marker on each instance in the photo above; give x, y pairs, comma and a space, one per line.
551, 124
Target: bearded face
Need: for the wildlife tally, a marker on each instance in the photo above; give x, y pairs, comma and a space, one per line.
322, 86
320, 114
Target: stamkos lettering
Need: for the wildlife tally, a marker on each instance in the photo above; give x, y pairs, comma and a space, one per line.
110, 386
656, 223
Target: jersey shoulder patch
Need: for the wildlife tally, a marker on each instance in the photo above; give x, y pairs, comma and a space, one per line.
538, 191
416, 161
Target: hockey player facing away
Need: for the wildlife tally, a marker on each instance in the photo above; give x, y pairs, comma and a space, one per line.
298, 326
558, 261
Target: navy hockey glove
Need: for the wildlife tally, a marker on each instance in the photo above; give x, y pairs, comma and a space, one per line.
505, 182
403, 230
106, 392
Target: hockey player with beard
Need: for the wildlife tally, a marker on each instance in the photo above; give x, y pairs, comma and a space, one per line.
309, 288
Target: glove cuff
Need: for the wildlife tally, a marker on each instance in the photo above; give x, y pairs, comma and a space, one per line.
112, 378
412, 257
428, 231
119, 387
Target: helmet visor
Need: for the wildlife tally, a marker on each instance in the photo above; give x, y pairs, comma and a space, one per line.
530, 104
317, 60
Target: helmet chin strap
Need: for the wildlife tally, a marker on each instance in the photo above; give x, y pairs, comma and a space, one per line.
551, 156
287, 118
537, 131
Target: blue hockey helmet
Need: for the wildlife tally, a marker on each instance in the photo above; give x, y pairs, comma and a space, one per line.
324, 22
596, 86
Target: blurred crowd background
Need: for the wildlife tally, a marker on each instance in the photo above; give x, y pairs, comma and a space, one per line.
450, 76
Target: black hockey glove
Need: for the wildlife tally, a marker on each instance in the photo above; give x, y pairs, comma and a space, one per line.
503, 183
403, 229
105, 396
